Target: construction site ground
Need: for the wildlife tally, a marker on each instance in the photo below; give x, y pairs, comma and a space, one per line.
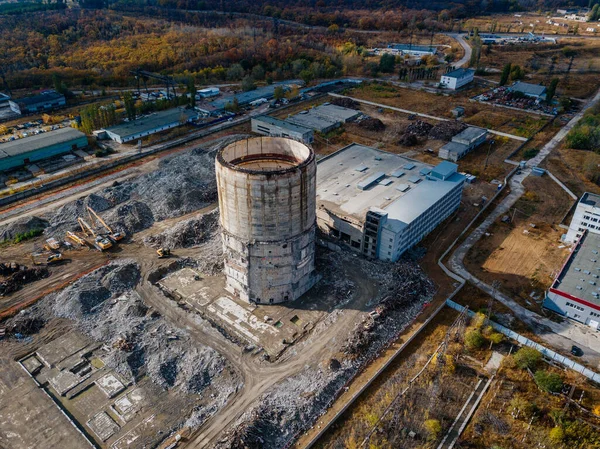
525, 259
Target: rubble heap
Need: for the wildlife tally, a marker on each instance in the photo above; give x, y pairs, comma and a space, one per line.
446, 130
187, 233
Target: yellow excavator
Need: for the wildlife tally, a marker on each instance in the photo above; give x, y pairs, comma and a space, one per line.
74, 237
163, 252
100, 242
113, 236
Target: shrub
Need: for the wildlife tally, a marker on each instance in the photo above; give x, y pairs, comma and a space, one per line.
496, 337
433, 428
527, 358
549, 382
531, 152
27, 235
474, 339
557, 435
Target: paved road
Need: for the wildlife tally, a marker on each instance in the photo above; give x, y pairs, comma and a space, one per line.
419, 114
463, 43
560, 335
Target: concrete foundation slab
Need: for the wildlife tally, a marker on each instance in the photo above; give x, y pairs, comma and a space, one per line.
103, 426
110, 385
31, 364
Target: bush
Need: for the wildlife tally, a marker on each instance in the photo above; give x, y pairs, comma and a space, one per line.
496, 337
557, 435
474, 339
527, 358
433, 428
548, 382
27, 235
531, 152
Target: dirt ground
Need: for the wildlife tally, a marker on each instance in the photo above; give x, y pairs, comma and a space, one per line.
574, 168
525, 259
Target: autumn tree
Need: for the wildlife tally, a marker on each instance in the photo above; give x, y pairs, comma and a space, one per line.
527, 358
278, 93
548, 382
129, 104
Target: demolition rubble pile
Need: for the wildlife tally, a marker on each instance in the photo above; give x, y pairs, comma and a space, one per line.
21, 277
446, 130
187, 233
21, 226
372, 124
345, 102
104, 306
294, 404
418, 128
182, 184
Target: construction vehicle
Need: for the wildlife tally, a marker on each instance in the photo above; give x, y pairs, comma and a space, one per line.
163, 252
100, 242
52, 243
75, 238
53, 258
113, 236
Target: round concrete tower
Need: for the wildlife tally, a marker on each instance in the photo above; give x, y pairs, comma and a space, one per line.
267, 202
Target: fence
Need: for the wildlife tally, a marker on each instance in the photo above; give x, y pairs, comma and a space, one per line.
532, 344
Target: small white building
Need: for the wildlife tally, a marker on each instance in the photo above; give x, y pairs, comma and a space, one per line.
457, 78
586, 217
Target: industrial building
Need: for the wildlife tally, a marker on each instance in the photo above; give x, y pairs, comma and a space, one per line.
382, 204
333, 112
208, 92
457, 78
585, 218
245, 98
45, 101
317, 122
266, 189
151, 124
463, 143
575, 293
271, 126
411, 49
40, 146
529, 90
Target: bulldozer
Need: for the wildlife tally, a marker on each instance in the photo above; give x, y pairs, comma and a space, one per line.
112, 235
100, 242
163, 252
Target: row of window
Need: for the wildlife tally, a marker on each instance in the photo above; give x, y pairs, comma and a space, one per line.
575, 306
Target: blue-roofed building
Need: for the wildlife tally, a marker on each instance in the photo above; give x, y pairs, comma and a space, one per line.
367, 200
536, 91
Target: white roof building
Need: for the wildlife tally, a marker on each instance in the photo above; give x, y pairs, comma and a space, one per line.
586, 217
382, 204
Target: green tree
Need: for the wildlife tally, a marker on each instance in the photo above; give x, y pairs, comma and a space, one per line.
235, 72
527, 357
129, 103
278, 93
551, 91
474, 339
505, 74
549, 382
306, 75
496, 337
258, 73
233, 106
191, 90
387, 63
248, 84
516, 73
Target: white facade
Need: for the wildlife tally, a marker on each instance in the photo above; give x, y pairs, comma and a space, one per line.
208, 92
457, 78
382, 204
586, 217
271, 126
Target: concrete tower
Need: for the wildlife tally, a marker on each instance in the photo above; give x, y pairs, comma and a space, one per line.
267, 201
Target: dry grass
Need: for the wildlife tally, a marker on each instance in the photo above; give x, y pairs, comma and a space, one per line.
525, 259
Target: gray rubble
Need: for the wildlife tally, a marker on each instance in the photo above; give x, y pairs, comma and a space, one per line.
187, 233
21, 226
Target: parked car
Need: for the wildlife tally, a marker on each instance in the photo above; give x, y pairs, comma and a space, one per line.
576, 351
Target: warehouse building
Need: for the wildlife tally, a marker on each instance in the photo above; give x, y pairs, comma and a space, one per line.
463, 143
41, 146
208, 92
45, 101
337, 113
575, 293
271, 126
412, 50
316, 122
151, 124
586, 217
529, 90
382, 204
457, 78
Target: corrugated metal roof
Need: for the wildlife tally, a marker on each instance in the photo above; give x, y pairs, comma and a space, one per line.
151, 122
282, 124
528, 88
39, 141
